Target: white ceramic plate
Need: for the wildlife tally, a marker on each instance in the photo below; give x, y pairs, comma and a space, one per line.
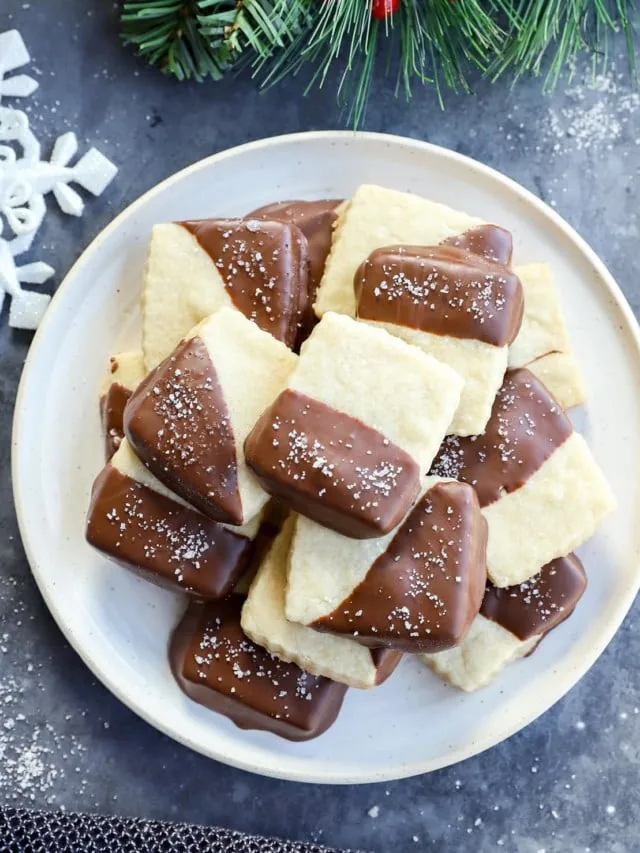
120, 625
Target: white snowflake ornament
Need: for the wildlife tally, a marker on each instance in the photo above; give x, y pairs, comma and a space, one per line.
27, 307
14, 54
25, 180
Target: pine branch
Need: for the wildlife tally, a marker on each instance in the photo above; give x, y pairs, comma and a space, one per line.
546, 36
196, 39
166, 33
425, 41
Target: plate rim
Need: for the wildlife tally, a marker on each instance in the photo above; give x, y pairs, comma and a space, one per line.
473, 748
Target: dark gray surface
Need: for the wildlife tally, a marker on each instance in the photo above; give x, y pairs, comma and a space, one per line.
569, 782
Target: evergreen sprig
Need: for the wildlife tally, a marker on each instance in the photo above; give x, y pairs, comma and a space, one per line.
429, 41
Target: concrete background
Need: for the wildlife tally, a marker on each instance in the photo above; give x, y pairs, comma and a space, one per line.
568, 783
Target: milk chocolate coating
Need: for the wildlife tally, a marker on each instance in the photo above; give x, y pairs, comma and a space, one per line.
525, 427
264, 267
535, 607
178, 424
489, 241
111, 412
218, 666
331, 467
425, 590
315, 219
385, 662
161, 540
443, 290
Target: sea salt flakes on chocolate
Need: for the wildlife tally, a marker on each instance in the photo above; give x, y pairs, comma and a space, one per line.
189, 418
195, 268
263, 619
139, 524
511, 623
539, 487
316, 220
416, 589
217, 665
377, 217
348, 440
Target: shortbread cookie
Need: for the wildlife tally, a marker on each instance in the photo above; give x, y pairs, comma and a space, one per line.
316, 220
378, 217
126, 371
511, 623
134, 520
189, 418
460, 307
543, 345
217, 665
338, 658
348, 441
417, 589
539, 487
195, 268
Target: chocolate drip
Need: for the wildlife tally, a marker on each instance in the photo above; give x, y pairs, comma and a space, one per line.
488, 241
525, 427
385, 662
178, 424
216, 664
111, 412
161, 540
442, 290
424, 591
331, 467
264, 267
316, 220
537, 606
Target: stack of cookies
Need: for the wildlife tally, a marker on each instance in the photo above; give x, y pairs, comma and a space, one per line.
344, 439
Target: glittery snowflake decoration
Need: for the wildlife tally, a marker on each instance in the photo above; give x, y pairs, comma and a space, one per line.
25, 180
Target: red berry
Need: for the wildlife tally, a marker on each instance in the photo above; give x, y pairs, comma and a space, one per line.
383, 9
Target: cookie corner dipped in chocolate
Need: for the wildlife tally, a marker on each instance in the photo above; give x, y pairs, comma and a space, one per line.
216, 665
178, 423
537, 606
316, 220
424, 591
264, 267
526, 426
491, 242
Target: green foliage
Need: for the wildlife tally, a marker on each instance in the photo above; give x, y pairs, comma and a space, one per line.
429, 41
196, 39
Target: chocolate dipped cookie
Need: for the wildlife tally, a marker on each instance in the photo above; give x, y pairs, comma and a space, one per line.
539, 487
454, 301
137, 522
196, 267
377, 217
511, 623
190, 417
218, 666
417, 589
264, 621
348, 440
